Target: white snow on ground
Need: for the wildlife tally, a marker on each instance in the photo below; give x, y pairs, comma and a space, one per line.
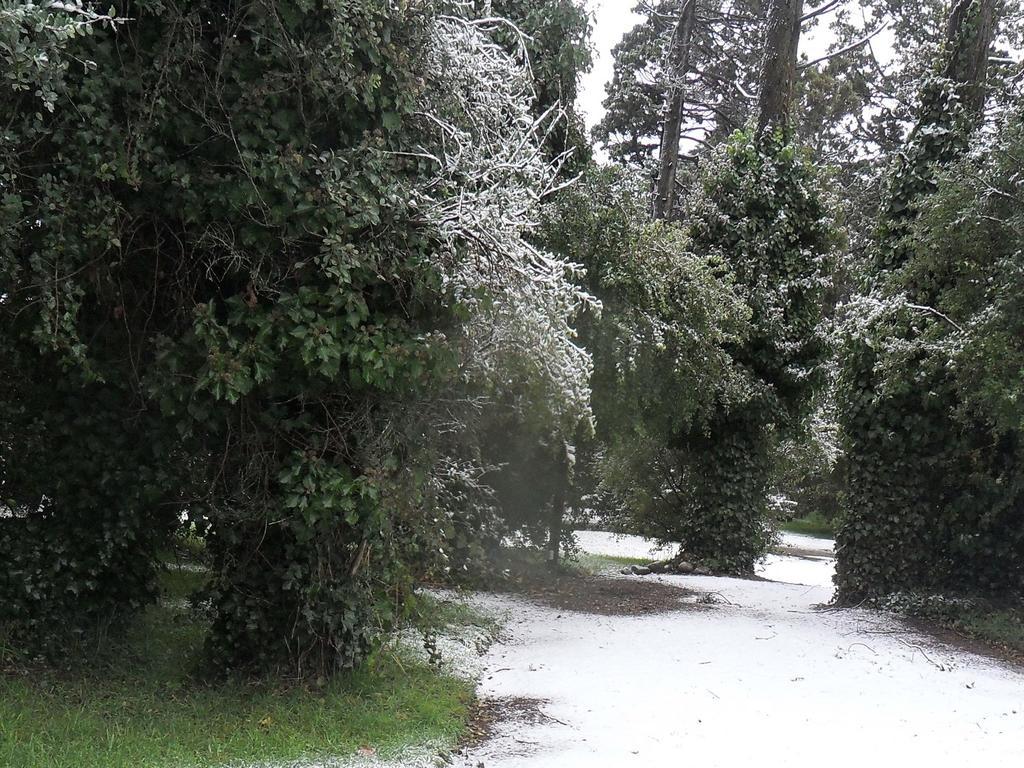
812, 572
813, 567
762, 678
808, 543
621, 545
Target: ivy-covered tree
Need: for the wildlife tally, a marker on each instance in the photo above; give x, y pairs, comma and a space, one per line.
660, 348
244, 254
707, 344
970, 241
761, 211
84, 500
914, 514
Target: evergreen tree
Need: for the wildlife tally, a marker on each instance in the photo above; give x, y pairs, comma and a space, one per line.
720, 76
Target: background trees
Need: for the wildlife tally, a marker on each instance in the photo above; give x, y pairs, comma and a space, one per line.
712, 77
918, 468
713, 344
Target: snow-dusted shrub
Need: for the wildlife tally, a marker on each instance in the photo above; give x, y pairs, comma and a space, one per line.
490, 150
490, 175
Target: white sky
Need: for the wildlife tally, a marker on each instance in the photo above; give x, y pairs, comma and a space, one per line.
611, 20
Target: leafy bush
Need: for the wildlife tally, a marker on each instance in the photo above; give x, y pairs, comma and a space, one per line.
86, 491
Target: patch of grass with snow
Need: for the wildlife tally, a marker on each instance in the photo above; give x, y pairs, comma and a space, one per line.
595, 565
445, 613
811, 525
141, 706
1001, 626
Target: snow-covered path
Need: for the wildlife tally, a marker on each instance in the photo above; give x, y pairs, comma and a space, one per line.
760, 678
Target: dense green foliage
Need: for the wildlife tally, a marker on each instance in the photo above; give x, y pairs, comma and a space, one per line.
82, 498
213, 248
933, 500
933, 417
242, 256
707, 348
762, 211
557, 34
659, 353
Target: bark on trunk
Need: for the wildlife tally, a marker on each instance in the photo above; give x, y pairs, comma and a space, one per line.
969, 35
778, 68
558, 507
555, 528
665, 194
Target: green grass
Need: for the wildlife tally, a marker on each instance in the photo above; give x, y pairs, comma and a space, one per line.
595, 564
141, 707
442, 615
811, 525
1001, 626
1004, 627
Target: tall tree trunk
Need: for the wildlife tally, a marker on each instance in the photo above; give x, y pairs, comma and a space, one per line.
679, 62
558, 501
778, 68
555, 527
969, 33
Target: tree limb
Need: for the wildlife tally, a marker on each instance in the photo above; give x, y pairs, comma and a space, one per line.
820, 11
846, 49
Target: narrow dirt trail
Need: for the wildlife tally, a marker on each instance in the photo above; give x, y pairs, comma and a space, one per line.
760, 678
